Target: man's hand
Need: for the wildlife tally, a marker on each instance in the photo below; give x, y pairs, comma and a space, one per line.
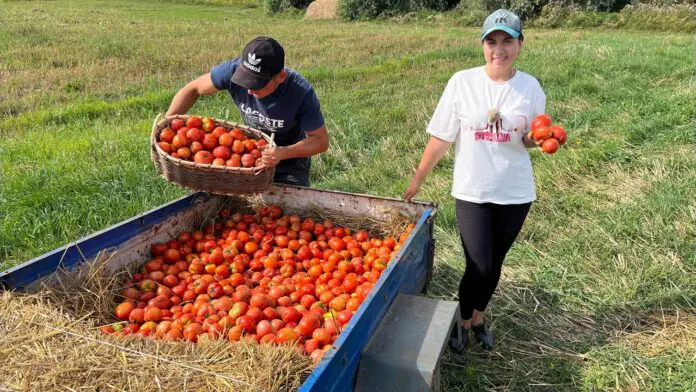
271, 156
316, 142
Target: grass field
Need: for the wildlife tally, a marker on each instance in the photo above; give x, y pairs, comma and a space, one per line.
599, 292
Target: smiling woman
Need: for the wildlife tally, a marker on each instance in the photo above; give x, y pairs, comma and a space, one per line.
486, 112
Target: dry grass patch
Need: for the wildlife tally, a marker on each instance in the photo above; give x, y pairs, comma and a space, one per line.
660, 332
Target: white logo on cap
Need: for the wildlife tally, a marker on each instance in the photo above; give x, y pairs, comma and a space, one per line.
253, 60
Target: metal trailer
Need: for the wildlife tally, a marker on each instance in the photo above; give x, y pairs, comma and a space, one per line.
128, 242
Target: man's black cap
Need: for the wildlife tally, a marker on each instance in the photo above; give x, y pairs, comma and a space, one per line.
262, 59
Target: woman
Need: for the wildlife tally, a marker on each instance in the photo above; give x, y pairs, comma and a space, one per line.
486, 112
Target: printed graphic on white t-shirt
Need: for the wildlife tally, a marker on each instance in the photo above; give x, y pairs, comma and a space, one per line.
497, 128
486, 120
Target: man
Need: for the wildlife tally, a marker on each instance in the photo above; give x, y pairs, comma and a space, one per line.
271, 98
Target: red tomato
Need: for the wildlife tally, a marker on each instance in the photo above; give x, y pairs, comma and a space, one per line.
123, 310
277, 324
203, 157
174, 335
170, 280
307, 325
195, 135
193, 122
246, 323
286, 335
192, 331
337, 244
264, 327
153, 313
559, 134
353, 304
542, 120
307, 300
311, 345
322, 336
344, 316
215, 290
235, 333
290, 314
161, 301
550, 146
259, 301
136, 316
542, 133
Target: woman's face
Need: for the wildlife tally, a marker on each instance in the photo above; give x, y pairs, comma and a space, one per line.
500, 50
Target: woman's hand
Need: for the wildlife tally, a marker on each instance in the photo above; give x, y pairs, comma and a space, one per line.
412, 189
434, 151
529, 141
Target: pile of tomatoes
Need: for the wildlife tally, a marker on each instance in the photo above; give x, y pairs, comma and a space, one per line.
201, 140
266, 277
550, 137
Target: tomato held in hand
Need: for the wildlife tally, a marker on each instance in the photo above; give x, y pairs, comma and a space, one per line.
550, 146
542, 120
559, 134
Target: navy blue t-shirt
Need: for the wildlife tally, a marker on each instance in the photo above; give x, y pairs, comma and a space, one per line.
289, 112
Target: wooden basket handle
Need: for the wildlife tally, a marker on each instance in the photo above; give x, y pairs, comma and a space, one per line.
259, 169
153, 139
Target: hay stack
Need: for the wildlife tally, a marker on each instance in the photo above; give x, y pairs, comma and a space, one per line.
322, 9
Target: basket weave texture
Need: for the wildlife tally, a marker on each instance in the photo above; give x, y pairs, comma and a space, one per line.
214, 179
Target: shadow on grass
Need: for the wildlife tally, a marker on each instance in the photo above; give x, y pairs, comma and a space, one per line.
540, 344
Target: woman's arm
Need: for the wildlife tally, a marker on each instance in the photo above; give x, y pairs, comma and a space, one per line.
434, 151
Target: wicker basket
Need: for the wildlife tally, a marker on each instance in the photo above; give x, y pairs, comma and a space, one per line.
214, 179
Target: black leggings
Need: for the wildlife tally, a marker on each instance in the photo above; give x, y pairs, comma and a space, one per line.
487, 232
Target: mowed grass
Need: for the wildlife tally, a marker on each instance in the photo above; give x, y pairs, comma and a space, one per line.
599, 291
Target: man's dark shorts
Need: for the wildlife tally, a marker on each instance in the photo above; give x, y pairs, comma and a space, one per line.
300, 178
296, 174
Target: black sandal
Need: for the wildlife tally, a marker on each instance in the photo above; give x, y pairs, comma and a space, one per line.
483, 336
459, 338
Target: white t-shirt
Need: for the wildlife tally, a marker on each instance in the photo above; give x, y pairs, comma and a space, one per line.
491, 163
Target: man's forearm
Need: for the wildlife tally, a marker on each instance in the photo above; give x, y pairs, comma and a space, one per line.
304, 148
182, 101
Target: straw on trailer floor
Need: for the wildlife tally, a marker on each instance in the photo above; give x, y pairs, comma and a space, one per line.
49, 340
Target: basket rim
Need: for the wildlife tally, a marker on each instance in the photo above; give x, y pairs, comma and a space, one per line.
159, 124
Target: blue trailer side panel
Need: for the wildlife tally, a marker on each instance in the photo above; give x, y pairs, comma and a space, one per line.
69, 255
338, 368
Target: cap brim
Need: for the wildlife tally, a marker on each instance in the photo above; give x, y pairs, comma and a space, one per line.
248, 80
513, 33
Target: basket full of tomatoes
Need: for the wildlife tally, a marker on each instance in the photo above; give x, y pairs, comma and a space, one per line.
211, 155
